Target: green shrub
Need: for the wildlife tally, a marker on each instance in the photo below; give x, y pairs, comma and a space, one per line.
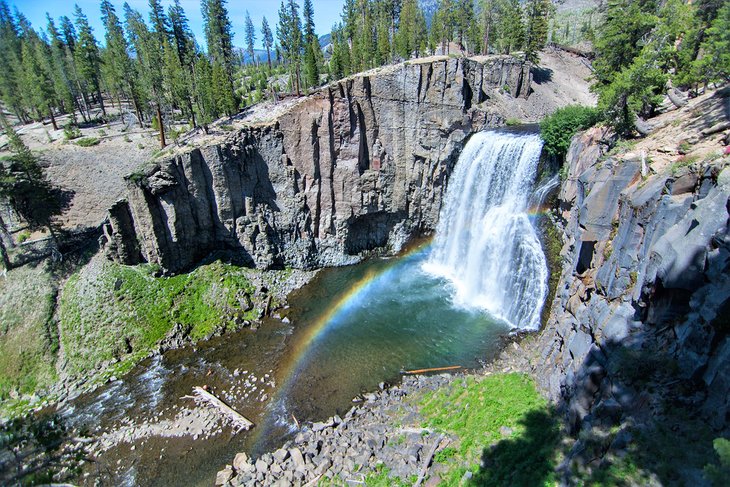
227, 127
511, 122
559, 128
23, 236
87, 141
718, 474
71, 131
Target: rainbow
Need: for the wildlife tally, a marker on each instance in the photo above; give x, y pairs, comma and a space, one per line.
295, 358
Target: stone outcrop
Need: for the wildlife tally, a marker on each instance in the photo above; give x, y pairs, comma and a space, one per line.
360, 165
644, 293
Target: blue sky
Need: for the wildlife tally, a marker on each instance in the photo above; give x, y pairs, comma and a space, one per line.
326, 14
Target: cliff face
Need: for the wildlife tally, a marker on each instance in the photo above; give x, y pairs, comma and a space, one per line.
639, 320
359, 165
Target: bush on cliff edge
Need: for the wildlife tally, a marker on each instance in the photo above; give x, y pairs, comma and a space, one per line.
559, 128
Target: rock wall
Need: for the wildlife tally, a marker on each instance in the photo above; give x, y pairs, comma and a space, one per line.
640, 314
360, 165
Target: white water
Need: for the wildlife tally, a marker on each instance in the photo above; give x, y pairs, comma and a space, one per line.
485, 244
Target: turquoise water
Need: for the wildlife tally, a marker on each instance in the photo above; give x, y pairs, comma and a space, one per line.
365, 324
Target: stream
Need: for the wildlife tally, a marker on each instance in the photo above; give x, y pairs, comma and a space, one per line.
440, 303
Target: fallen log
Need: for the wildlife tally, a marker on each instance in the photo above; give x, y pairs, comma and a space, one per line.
427, 462
205, 397
718, 127
432, 369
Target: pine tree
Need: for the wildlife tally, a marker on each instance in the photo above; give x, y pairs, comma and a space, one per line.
37, 87
289, 32
118, 66
411, 34
203, 93
218, 35
512, 29
340, 60
150, 60
184, 43
538, 14
86, 55
443, 25
62, 82
311, 46
221, 90
714, 65
268, 39
219, 38
181, 34
250, 36
158, 21
68, 33
24, 185
10, 48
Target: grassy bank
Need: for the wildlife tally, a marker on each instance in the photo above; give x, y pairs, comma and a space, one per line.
114, 314
507, 432
28, 338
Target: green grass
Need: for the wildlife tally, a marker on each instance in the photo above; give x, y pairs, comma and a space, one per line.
476, 410
118, 314
28, 343
683, 161
87, 141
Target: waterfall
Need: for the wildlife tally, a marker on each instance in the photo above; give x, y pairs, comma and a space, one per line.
485, 243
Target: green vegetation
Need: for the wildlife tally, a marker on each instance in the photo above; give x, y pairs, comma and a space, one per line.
644, 45
28, 337
681, 162
116, 314
552, 245
23, 236
71, 132
719, 473
153, 61
559, 128
497, 418
87, 141
25, 188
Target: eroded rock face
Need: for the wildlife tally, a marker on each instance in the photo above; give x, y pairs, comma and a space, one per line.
360, 165
644, 294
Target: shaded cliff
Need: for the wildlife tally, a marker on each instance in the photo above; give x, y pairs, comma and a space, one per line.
360, 165
636, 348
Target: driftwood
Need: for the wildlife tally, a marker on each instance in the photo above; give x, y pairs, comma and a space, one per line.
676, 98
433, 369
642, 126
573, 50
427, 462
718, 127
205, 397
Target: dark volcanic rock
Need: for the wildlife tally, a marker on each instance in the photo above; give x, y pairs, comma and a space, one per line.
361, 164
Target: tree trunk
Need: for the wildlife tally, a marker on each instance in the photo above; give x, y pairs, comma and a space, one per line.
268, 57
299, 93
192, 112
162, 127
486, 39
84, 106
53, 119
4, 255
3, 249
137, 110
101, 102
